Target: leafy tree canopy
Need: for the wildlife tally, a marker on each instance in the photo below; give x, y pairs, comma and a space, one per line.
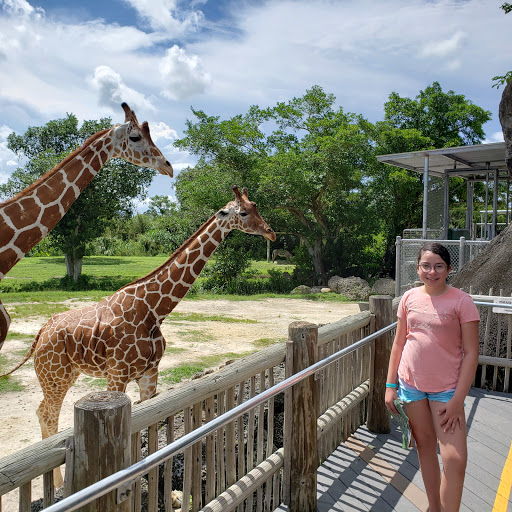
447, 119
304, 163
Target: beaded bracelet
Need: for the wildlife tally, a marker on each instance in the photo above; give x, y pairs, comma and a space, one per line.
391, 385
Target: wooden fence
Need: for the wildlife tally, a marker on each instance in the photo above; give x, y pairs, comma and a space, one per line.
242, 466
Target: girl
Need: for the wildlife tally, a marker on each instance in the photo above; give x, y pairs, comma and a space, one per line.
432, 365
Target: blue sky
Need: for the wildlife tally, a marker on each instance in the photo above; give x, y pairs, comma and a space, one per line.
222, 56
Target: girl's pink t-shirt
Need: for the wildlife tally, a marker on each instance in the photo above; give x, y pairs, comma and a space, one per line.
432, 355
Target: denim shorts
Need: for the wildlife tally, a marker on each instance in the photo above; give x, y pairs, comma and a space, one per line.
408, 393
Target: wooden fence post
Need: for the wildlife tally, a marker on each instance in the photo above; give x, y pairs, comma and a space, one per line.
102, 445
300, 432
378, 419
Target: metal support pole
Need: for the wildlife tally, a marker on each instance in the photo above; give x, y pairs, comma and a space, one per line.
462, 245
398, 266
469, 204
495, 205
425, 196
486, 222
446, 215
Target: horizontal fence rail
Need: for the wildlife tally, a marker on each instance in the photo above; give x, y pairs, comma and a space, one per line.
252, 474
126, 477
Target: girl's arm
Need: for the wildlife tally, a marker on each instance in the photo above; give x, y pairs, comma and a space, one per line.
394, 361
454, 410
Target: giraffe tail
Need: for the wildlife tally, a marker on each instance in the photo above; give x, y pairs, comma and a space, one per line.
26, 358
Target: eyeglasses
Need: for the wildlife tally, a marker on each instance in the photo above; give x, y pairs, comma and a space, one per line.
438, 267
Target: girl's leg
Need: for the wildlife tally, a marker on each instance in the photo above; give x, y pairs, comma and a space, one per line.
454, 455
423, 430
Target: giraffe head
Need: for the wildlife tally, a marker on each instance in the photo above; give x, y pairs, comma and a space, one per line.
133, 142
243, 214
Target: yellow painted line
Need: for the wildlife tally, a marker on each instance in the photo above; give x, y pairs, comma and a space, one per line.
502, 496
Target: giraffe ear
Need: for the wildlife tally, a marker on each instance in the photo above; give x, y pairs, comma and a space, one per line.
237, 193
129, 114
145, 131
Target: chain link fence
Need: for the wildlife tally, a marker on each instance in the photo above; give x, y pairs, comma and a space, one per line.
461, 252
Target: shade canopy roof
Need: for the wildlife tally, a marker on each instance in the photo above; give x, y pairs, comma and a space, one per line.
461, 161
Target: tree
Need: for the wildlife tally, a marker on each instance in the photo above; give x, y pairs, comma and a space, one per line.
109, 195
447, 119
307, 175
434, 119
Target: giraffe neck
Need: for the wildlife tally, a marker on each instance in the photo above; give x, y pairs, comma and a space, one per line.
163, 289
27, 218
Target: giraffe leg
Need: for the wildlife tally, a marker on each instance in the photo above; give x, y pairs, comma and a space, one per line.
147, 383
48, 412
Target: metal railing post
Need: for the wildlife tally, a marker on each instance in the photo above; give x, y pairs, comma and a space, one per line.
462, 246
398, 266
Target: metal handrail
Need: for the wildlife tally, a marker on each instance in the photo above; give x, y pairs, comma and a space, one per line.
128, 475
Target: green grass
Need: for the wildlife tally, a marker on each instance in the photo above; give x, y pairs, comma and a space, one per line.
263, 267
9, 383
53, 296
96, 382
37, 279
25, 311
192, 335
199, 317
177, 374
54, 267
188, 370
174, 350
27, 338
266, 342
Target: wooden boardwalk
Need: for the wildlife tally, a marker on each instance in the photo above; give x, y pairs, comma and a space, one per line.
373, 472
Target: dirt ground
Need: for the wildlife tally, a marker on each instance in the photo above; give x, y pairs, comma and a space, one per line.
18, 422
19, 426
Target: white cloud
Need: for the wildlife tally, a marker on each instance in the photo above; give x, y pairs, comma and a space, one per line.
7, 157
112, 90
183, 75
162, 131
444, 47
494, 137
163, 15
260, 53
20, 8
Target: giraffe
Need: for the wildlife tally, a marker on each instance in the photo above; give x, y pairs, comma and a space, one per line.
29, 216
119, 338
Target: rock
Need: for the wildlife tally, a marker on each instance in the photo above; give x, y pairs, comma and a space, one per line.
354, 288
505, 115
316, 289
325, 290
384, 286
301, 290
333, 282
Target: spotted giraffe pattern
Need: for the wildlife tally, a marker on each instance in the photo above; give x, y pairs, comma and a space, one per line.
28, 217
119, 338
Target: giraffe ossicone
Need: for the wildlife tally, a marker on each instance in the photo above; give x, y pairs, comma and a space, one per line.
27, 217
119, 338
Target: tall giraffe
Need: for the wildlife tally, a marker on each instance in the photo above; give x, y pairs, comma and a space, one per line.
29, 216
119, 338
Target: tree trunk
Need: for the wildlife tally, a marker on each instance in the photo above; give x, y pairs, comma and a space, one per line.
318, 263
73, 266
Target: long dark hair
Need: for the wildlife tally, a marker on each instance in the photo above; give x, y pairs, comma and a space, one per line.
436, 248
